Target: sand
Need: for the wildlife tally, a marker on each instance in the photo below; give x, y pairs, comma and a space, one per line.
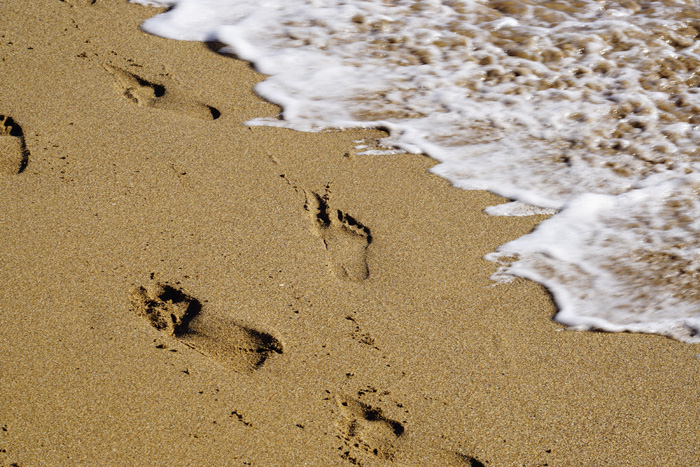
179, 288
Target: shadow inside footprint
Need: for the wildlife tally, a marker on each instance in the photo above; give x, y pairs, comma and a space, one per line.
177, 314
346, 239
366, 428
147, 94
14, 155
471, 461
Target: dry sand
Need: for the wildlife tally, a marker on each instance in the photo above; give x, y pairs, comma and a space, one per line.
184, 290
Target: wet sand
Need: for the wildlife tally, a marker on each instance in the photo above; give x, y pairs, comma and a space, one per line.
182, 289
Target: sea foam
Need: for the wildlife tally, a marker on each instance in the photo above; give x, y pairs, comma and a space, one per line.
588, 107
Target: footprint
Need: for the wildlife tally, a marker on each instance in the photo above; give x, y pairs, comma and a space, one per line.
14, 155
346, 240
366, 429
177, 314
146, 94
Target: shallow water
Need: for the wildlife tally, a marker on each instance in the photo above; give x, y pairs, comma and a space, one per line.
589, 107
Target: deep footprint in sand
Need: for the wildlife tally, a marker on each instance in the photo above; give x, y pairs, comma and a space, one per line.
346, 240
371, 438
365, 430
146, 94
177, 314
14, 155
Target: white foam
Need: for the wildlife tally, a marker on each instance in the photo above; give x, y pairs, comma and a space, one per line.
592, 106
518, 209
620, 263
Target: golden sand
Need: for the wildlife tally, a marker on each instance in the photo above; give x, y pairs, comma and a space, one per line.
326, 308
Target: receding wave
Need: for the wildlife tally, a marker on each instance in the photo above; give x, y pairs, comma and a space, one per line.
559, 104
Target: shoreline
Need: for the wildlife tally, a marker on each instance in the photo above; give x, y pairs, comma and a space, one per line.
361, 280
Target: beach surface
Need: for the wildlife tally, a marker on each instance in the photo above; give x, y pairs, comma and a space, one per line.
179, 288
